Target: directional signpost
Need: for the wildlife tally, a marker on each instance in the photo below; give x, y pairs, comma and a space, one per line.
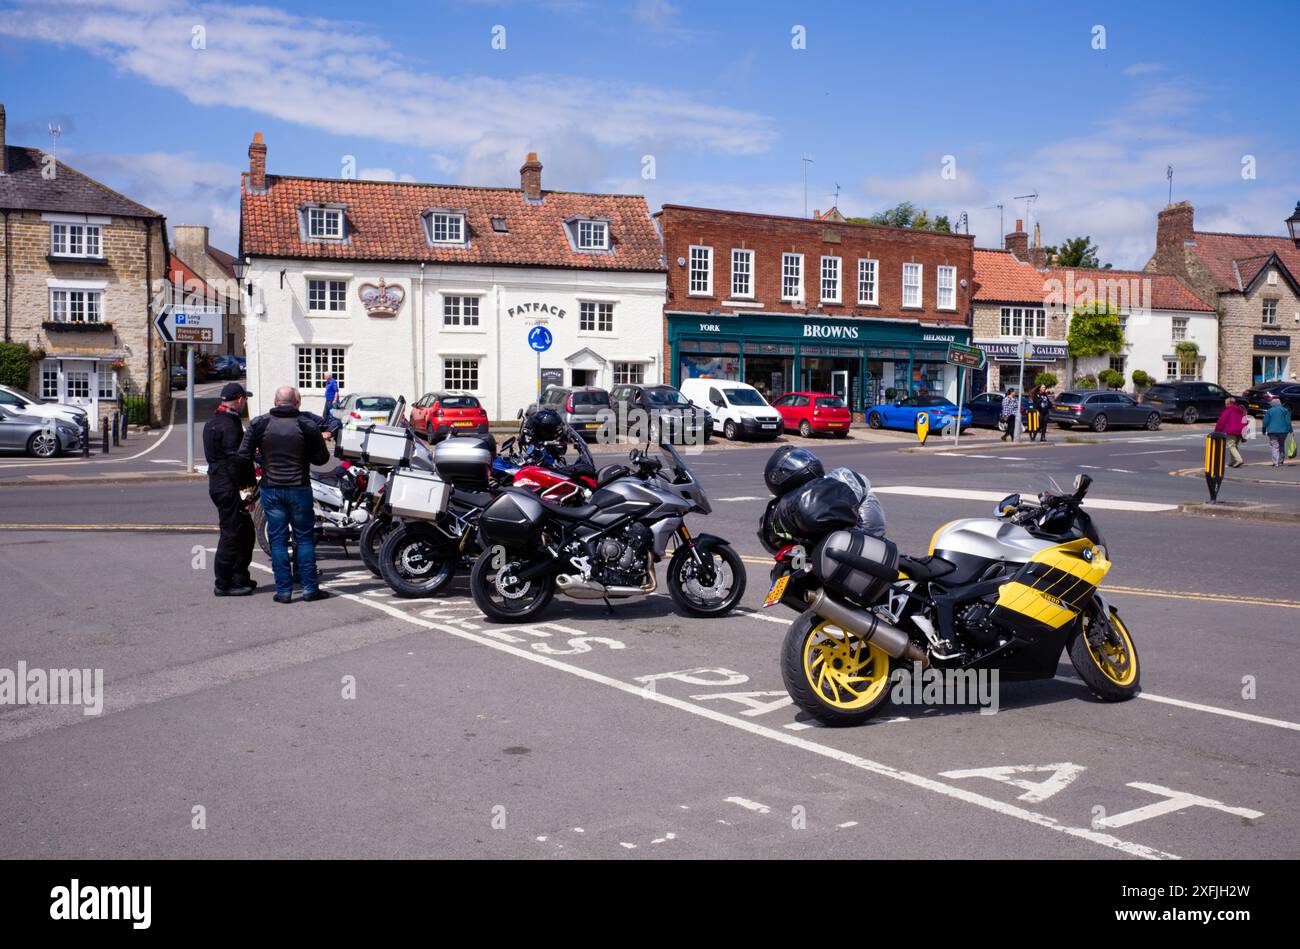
963, 357
190, 326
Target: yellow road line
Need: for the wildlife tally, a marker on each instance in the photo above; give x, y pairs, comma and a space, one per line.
1144, 591
174, 528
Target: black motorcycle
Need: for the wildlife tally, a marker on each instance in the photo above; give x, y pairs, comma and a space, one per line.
607, 549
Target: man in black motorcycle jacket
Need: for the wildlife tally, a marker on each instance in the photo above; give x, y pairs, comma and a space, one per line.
227, 474
289, 443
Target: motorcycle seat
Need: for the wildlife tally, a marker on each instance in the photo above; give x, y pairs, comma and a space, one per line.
330, 478
925, 569
473, 498
565, 512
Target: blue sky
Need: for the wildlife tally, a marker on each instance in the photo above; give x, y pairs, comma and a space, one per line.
1016, 93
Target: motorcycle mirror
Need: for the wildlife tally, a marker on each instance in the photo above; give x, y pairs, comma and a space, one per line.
1007, 505
1081, 484
519, 414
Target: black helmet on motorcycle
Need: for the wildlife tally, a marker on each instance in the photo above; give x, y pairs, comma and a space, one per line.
790, 468
544, 425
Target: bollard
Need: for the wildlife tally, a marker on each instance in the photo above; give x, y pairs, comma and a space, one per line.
103, 430
1216, 445
85, 437
125, 426
115, 418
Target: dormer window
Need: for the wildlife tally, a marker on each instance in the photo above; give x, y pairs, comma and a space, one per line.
593, 235
499, 225
325, 224
446, 227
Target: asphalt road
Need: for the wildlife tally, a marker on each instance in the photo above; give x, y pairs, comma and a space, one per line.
641, 733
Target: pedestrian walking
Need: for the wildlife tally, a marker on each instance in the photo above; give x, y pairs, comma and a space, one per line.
1232, 423
1278, 427
227, 474
290, 443
331, 395
1010, 411
1040, 402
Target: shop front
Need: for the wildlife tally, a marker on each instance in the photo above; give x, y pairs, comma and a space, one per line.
865, 361
1003, 368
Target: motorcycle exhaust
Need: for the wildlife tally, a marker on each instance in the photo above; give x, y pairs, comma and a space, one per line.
867, 626
580, 589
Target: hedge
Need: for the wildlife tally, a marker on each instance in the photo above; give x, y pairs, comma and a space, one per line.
15, 365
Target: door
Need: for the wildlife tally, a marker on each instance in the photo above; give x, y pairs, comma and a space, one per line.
1212, 401
840, 384
80, 386
1127, 411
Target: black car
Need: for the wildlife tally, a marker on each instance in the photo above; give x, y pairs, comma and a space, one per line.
986, 410
1186, 401
1256, 400
665, 409
1100, 410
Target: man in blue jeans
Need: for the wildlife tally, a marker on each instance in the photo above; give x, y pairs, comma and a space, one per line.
290, 443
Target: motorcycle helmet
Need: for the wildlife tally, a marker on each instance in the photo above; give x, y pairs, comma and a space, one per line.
789, 468
544, 425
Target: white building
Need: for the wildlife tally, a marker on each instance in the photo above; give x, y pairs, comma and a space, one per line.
405, 289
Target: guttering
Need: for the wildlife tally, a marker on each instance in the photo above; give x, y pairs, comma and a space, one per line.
8, 273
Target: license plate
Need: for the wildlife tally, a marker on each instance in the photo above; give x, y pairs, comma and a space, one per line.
778, 590
461, 424
769, 424
837, 424
591, 425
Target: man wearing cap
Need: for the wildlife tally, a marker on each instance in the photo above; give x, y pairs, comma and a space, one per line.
227, 473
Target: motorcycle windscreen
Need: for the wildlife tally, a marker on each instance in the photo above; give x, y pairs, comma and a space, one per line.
1049, 592
513, 520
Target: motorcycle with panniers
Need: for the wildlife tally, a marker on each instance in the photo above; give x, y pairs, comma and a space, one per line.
1010, 593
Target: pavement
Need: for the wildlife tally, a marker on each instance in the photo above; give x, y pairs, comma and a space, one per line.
370, 726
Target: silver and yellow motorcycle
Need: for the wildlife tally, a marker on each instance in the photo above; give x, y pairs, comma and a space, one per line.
1009, 592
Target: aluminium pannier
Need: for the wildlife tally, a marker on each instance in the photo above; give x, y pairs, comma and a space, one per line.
420, 494
376, 444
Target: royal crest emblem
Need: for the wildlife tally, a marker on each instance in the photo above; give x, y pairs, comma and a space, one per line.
381, 299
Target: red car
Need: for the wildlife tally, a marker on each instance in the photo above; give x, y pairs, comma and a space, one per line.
813, 412
441, 412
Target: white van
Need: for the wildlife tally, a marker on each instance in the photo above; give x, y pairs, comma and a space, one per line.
738, 409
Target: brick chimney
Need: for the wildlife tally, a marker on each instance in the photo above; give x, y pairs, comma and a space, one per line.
257, 164
1037, 253
191, 242
530, 177
4, 152
1018, 241
1173, 227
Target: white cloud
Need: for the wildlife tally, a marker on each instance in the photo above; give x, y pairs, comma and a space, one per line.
286, 66
1142, 69
383, 174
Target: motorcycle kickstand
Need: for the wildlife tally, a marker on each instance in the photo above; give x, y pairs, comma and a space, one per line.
608, 605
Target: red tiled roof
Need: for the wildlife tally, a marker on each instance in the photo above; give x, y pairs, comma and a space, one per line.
1000, 277
1167, 291
185, 280
1218, 252
384, 223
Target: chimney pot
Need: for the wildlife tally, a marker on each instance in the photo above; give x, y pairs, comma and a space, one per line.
530, 177
257, 164
4, 151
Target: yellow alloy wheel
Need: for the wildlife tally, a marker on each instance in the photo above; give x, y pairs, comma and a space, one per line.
1116, 659
847, 673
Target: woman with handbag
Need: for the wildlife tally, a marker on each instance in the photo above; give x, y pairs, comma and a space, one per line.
1232, 423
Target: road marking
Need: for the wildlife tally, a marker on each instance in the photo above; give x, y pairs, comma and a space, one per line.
1198, 707
749, 805
1173, 802
1062, 776
867, 765
101, 461
962, 494
1207, 597
1162, 451
741, 498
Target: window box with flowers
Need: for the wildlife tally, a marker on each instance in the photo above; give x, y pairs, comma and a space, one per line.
75, 326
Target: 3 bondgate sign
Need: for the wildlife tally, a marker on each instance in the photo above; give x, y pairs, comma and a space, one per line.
1272, 342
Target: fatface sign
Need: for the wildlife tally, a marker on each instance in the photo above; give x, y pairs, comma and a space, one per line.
535, 310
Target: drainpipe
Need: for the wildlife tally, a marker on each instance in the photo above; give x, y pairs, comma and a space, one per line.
8, 272
497, 369
422, 368
149, 315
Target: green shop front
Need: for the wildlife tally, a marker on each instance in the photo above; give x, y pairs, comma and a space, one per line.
859, 359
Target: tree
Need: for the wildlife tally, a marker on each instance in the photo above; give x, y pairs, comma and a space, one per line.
1046, 379
907, 214
1141, 379
1094, 331
1111, 378
1077, 252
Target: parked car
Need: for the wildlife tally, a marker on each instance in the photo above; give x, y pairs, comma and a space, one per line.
740, 409
178, 377
364, 408
22, 402
901, 414
666, 410
1256, 400
225, 367
1188, 401
586, 408
43, 437
812, 413
438, 413
986, 410
1102, 410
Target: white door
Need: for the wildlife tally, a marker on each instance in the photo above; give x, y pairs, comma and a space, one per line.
78, 385
840, 385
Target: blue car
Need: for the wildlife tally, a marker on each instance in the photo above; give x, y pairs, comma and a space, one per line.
902, 413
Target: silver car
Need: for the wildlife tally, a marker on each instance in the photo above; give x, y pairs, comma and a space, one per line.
42, 437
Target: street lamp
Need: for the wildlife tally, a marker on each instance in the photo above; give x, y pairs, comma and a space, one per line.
241, 271
1293, 224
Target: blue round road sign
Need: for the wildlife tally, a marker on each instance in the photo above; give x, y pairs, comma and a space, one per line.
539, 338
